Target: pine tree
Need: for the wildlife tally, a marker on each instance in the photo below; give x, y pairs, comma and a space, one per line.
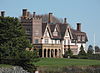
90, 50
13, 43
12, 37
82, 52
68, 53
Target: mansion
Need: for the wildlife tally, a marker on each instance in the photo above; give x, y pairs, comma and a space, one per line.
50, 36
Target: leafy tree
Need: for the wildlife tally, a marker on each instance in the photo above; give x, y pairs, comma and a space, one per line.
82, 52
90, 50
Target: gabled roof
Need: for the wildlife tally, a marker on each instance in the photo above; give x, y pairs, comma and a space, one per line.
43, 27
76, 33
52, 27
62, 29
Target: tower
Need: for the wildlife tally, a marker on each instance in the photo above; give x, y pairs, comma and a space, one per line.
26, 22
36, 29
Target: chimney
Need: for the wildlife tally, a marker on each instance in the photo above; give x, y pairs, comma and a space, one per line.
28, 14
78, 26
34, 14
24, 12
65, 20
2, 13
50, 18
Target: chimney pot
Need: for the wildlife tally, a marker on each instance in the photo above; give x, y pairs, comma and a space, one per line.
2, 13
24, 12
78, 26
50, 18
65, 20
34, 14
28, 14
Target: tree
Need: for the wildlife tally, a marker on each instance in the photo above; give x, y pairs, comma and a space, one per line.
97, 49
82, 52
13, 44
68, 53
90, 50
12, 37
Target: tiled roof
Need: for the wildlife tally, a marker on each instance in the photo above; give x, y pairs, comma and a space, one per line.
43, 27
62, 30
76, 33
52, 27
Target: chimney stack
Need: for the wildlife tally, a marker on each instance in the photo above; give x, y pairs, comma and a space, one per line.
34, 14
2, 13
65, 20
78, 26
24, 13
50, 18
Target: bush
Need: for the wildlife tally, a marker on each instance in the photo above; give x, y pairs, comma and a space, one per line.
68, 53
75, 56
83, 57
79, 57
94, 56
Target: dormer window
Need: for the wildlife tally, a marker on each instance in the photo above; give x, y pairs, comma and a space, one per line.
46, 33
79, 38
36, 41
83, 38
64, 42
46, 41
55, 33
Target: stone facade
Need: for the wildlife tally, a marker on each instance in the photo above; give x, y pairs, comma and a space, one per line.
50, 38
15, 69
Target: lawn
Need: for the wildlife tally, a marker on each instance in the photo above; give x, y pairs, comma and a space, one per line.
61, 62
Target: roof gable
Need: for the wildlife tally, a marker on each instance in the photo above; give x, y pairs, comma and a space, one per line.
46, 28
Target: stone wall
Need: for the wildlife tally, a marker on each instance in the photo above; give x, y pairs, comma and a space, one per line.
15, 69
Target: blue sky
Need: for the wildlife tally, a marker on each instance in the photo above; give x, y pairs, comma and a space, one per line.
86, 12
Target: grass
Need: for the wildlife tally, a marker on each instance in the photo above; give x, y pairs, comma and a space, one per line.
62, 62
5, 66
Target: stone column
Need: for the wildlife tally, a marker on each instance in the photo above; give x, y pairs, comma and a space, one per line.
50, 53
54, 53
57, 53
46, 53
60, 53
42, 53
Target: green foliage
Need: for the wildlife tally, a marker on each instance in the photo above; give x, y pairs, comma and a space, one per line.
82, 52
13, 43
68, 53
94, 56
97, 49
12, 37
90, 50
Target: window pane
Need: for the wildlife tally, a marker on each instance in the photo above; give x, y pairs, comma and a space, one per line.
46, 41
36, 41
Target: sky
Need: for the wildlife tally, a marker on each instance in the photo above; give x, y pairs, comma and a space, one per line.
86, 12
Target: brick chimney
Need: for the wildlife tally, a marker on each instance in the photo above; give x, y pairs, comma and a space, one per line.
28, 14
65, 20
78, 26
2, 13
24, 14
50, 18
34, 14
